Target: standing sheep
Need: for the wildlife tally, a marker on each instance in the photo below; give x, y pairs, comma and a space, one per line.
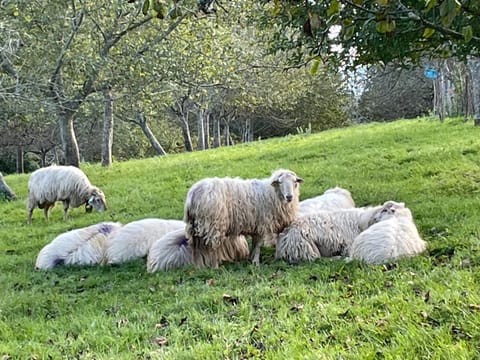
173, 251
323, 234
84, 246
135, 238
332, 199
62, 183
219, 210
392, 236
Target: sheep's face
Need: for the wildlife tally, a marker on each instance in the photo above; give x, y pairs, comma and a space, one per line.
287, 185
96, 201
389, 210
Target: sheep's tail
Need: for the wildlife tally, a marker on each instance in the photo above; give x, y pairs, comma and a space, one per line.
169, 252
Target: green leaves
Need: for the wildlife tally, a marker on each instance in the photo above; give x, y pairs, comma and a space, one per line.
448, 11
467, 33
386, 26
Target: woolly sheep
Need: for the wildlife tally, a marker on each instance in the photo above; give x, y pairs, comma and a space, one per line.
323, 233
332, 199
135, 238
84, 246
218, 210
173, 251
392, 236
62, 183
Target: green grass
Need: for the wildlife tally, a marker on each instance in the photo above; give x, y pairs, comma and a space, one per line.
427, 307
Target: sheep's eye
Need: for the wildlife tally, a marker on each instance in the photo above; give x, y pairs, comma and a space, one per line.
295, 185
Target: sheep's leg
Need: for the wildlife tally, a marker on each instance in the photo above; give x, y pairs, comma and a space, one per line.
29, 215
66, 204
255, 253
45, 211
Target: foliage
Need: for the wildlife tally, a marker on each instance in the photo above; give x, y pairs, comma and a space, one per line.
393, 91
423, 308
372, 31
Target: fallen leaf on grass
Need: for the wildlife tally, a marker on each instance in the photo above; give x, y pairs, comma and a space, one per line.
210, 282
159, 340
297, 307
230, 299
474, 306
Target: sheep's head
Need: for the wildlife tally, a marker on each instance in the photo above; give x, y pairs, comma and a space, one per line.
96, 201
286, 183
390, 209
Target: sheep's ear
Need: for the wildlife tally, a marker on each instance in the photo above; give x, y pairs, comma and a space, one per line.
299, 179
275, 182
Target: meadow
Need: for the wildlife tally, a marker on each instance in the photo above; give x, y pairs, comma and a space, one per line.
426, 307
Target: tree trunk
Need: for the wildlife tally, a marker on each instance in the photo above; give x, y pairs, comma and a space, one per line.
20, 162
107, 135
467, 105
206, 117
216, 132
142, 122
71, 154
226, 134
474, 68
247, 131
5, 191
200, 130
187, 139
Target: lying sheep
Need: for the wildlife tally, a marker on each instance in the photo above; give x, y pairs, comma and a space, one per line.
323, 234
332, 199
392, 236
85, 246
218, 210
135, 238
173, 251
62, 183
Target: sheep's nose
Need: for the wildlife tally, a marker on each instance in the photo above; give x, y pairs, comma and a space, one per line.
289, 198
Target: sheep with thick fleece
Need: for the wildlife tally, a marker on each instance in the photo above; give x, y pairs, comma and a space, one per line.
332, 199
84, 246
173, 250
218, 210
68, 184
394, 235
323, 233
135, 238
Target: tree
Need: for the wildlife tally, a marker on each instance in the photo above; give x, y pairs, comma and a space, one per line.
352, 33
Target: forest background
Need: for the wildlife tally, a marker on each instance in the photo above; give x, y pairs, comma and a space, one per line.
97, 82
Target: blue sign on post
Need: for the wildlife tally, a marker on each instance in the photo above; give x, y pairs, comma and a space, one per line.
430, 73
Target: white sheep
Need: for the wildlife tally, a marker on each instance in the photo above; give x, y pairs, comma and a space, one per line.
84, 246
135, 238
218, 210
173, 251
323, 233
68, 184
332, 199
392, 236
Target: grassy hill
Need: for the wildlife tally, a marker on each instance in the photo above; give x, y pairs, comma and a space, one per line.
427, 307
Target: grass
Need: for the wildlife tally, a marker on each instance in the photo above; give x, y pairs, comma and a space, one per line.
427, 307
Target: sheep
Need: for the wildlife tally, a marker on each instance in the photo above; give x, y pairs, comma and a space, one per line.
135, 238
84, 246
218, 210
62, 183
173, 251
332, 199
323, 233
392, 236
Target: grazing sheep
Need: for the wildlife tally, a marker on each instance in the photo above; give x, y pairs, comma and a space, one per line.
5, 191
84, 246
135, 238
392, 236
332, 199
323, 234
173, 251
218, 210
62, 183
